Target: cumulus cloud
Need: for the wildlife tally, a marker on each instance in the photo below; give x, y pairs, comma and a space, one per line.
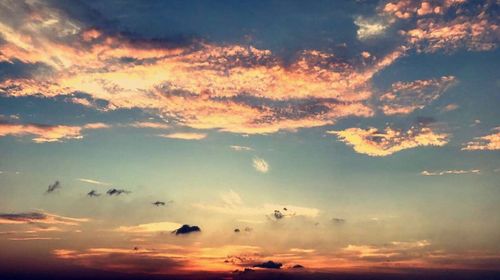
375, 142
184, 136
260, 165
490, 142
450, 172
186, 229
406, 97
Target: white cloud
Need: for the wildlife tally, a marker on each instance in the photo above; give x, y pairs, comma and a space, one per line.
369, 28
95, 182
260, 165
448, 172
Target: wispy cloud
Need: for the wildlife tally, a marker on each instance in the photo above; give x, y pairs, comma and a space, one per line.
260, 165
154, 125
450, 172
52, 187
94, 182
184, 136
240, 148
39, 217
150, 227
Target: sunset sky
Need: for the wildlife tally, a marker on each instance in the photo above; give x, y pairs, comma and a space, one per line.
295, 137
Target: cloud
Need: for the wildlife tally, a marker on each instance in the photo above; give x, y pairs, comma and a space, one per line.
158, 203
489, 142
186, 229
155, 125
269, 265
53, 187
150, 227
260, 165
338, 221
184, 136
374, 142
39, 218
450, 107
114, 191
47, 133
93, 193
94, 182
240, 148
450, 172
369, 27
406, 97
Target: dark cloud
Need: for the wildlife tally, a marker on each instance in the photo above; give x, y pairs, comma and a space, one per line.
114, 191
186, 229
338, 220
159, 203
93, 193
53, 187
248, 229
236, 230
23, 217
278, 215
297, 266
269, 264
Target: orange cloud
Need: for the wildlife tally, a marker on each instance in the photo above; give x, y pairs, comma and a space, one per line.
184, 136
374, 142
47, 133
406, 97
489, 142
39, 218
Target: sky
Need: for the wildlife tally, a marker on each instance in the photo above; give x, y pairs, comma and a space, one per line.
249, 138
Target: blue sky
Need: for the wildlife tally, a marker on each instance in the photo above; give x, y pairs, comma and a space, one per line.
370, 126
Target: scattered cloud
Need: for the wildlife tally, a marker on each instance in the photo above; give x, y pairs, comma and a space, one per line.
374, 142
450, 172
260, 165
406, 97
159, 203
186, 229
52, 187
184, 136
489, 142
450, 107
338, 221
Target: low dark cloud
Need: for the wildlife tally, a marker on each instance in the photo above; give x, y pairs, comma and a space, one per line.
93, 193
159, 203
278, 215
53, 187
23, 217
237, 230
114, 191
298, 266
186, 229
269, 264
338, 221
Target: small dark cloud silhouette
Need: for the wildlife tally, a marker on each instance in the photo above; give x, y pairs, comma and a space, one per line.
278, 215
159, 203
248, 229
114, 191
297, 266
23, 217
338, 220
93, 193
53, 187
136, 248
269, 264
186, 229
285, 209
236, 230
